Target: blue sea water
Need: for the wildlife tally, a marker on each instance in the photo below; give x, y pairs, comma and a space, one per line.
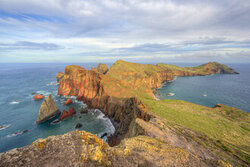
231, 90
19, 111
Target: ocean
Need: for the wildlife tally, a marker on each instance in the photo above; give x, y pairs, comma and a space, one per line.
18, 110
231, 90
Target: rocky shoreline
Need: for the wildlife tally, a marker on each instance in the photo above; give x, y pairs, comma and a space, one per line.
142, 138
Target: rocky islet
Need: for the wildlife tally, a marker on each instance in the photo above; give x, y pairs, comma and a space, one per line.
47, 110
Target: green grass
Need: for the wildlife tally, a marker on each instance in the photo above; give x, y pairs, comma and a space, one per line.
228, 125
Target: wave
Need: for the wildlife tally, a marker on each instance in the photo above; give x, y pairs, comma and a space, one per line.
2, 127
109, 126
55, 122
17, 133
46, 93
80, 103
15, 102
52, 83
172, 79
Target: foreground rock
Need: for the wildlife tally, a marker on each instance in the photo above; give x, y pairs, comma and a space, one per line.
78, 125
80, 148
68, 102
84, 110
47, 110
38, 97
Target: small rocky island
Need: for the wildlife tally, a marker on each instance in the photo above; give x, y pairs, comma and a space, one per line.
47, 110
149, 132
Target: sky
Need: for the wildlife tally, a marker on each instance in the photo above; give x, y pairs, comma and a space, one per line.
132, 30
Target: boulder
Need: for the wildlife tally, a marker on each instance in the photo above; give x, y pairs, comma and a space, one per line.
78, 126
25, 131
69, 101
47, 110
84, 110
38, 97
218, 106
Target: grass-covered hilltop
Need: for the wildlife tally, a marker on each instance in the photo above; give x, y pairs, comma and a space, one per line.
149, 132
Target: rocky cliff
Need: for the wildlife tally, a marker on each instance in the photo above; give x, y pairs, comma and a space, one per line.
148, 132
116, 91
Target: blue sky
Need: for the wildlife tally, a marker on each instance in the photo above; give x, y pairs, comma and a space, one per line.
132, 30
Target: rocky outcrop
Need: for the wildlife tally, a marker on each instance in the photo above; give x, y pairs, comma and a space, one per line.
101, 68
59, 76
47, 110
66, 114
78, 125
38, 97
68, 102
79, 148
217, 68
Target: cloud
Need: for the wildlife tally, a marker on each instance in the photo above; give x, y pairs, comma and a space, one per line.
155, 17
186, 46
128, 28
26, 45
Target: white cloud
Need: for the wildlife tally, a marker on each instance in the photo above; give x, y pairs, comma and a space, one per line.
103, 27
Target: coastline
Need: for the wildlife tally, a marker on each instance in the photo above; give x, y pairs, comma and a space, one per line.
143, 115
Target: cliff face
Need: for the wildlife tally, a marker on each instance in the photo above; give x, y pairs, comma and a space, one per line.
87, 86
79, 82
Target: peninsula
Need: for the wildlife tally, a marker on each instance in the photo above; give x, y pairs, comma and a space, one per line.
148, 132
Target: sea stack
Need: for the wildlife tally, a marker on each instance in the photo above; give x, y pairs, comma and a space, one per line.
47, 110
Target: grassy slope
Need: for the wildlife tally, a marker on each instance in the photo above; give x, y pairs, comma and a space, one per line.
228, 126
